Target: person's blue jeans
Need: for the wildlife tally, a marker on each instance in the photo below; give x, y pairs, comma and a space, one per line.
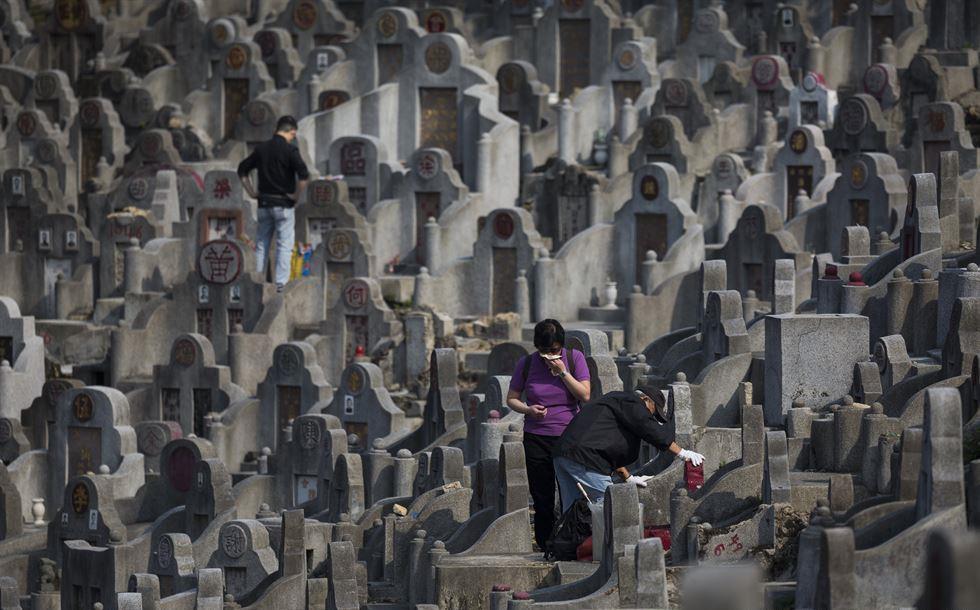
570, 473
282, 222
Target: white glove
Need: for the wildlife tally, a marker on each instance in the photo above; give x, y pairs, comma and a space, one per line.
640, 481
691, 456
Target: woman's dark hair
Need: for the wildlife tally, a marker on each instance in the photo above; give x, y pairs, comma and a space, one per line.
286, 123
547, 333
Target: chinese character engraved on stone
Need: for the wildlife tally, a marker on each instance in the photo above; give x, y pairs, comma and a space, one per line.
503, 225
304, 15
82, 406
220, 262
309, 434
428, 165
288, 360
356, 294
438, 57
339, 246
797, 142
79, 498
387, 25
165, 552
184, 352
222, 188
26, 124
233, 541
355, 381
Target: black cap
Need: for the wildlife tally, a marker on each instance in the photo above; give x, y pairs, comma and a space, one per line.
657, 396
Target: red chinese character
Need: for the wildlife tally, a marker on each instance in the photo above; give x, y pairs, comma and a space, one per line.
218, 261
719, 549
222, 188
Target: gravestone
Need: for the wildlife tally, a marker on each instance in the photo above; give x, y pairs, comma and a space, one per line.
53, 95
358, 320
789, 36
709, 44
727, 173
654, 219
800, 165
361, 160
209, 495
818, 371
365, 408
582, 31
316, 446
315, 23
91, 429
96, 133
87, 512
869, 192
812, 103
860, 126
683, 98
506, 245
431, 187
75, 32
294, 385
244, 555
521, 95
191, 386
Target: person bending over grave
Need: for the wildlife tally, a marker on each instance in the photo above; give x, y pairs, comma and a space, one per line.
604, 437
279, 165
553, 381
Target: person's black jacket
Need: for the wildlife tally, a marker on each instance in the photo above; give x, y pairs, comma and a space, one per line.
279, 163
606, 433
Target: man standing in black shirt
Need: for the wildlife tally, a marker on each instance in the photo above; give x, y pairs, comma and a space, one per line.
279, 165
604, 437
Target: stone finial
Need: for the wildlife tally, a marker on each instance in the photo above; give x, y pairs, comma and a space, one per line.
855, 279
134, 243
877, 408
420, 534
651, 256
344, 517
898, 274
522, 595
423, 270
37, 510
798, 404
751, 294
830, 272
637, 289
848, 401
926, 274
404, 453
103, 469
501, 588
439, 544
973, 268
494, 415
681, 377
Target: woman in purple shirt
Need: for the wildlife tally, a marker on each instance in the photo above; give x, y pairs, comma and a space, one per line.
557, 380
